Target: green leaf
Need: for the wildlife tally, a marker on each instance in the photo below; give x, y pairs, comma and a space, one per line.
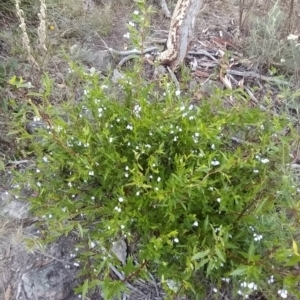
219, 254
80, 230
85, 287
2, 166
200, 255
239, 271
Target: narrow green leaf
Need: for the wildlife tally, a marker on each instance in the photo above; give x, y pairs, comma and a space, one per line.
200, 254
239, 271
219, 254
85, 287
2, 166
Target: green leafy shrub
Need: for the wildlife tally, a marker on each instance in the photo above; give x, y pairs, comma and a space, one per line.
193, 188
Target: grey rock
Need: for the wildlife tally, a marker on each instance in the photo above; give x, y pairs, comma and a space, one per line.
53, 281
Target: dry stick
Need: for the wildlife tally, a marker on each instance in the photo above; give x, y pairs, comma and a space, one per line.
133, 51
164, 8
174, 78
256, 75
121, 277
126, 58
203, 52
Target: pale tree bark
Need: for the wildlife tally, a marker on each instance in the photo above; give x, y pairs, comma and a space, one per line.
180, 34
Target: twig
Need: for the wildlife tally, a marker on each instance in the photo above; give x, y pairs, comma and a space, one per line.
174, 78
203, 52
17, 162
164, 8
256, 75
122, 277
133, 51
126, 58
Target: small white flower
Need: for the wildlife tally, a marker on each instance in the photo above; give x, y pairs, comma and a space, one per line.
137, 193
177, 93
131, 24
49, 216
93, 198
158, 179
36, 119
182, 108
176, 240
283, 293
110, 139
129, 127
38, 171
195, 224
219, 200
213, 146
91, 173
264, 160
293, 37
118, 209
64, 209
215, 162
136, 12
156, 188
126, 174
122, 226
191, 117
215, 290
121, 199
255, 171
69, 184
38, 184
126, 35
108, 227
76, 264
93, 244
45, 159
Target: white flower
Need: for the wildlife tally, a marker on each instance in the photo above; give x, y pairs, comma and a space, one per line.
45, 159
76, 264
177, 93
215, 290
121, 199
257, 237
38, 171
129, 127
91, 173
219, 200
182, 108
36, 118
176, 240
122, 226
137, 193
126, 35
93, 244
118, 209
283, 293
158, 179
195, 224
215, 162
131, 24
213, 146
255, 171
126, 174
136, 12
264, 160
271, 279
293, 37
38, 184
69, 184
64, 209
50, 216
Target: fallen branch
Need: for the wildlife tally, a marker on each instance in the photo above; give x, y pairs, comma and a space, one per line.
256, 75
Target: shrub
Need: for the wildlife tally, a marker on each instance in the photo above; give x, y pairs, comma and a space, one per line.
193, 188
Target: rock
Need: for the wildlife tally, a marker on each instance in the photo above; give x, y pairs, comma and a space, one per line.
53, 281
119, 248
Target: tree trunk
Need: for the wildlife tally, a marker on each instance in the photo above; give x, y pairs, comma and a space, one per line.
180, 33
